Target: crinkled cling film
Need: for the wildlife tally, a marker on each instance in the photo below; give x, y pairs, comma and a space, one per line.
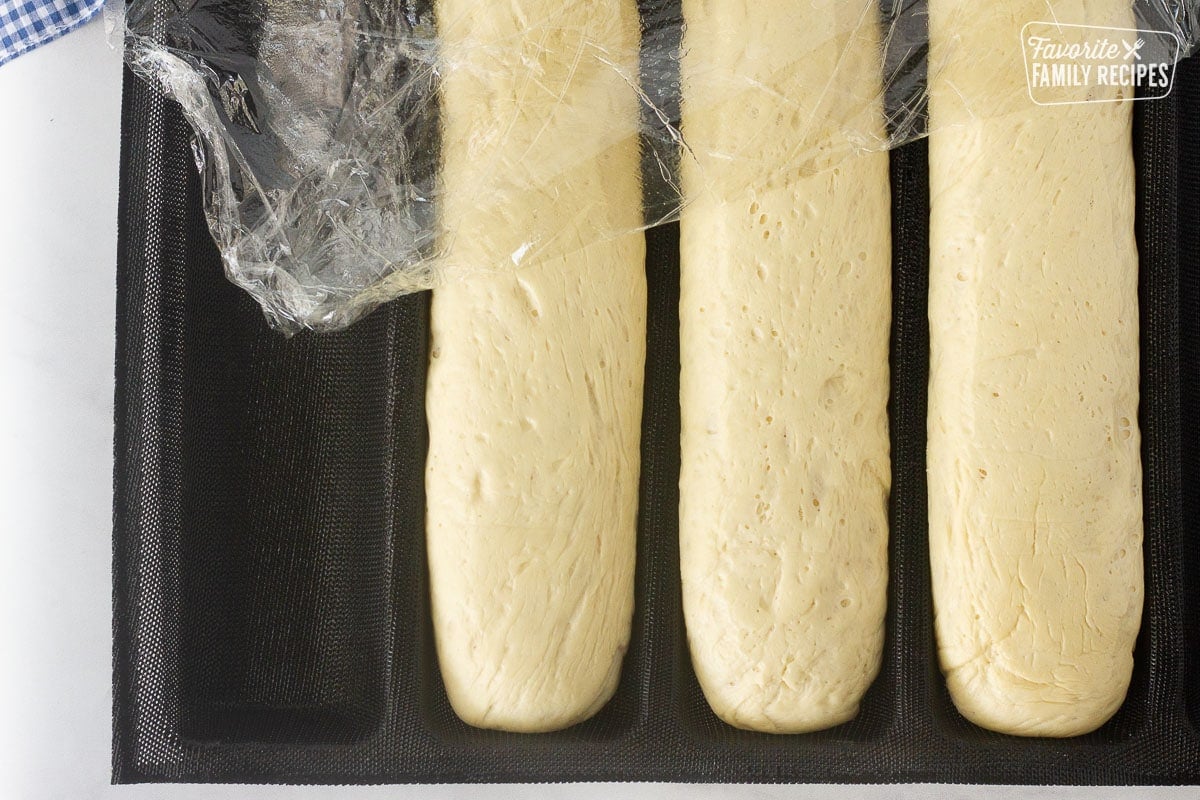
319, 128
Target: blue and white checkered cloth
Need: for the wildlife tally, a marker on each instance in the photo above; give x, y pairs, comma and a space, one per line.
25, 24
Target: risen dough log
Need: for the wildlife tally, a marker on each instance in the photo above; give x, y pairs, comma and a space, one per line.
1035, 501
784, 317
535, 376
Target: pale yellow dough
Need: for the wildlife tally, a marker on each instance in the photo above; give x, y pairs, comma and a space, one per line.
1035, 526
535, 377
784, 316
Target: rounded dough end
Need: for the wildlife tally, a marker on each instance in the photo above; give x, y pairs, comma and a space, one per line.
805, 717
770, 701
993, 697
550, 707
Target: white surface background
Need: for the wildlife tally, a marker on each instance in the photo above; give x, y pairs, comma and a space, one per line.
59, 128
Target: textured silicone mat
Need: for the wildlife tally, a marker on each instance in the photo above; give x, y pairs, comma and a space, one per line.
271, 620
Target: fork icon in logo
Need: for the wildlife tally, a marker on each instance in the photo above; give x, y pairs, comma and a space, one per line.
1132, 49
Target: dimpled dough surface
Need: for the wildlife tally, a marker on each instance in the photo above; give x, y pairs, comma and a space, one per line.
535, 376
1035, 501
785, 312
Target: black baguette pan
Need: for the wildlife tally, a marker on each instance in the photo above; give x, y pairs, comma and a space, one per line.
271, 617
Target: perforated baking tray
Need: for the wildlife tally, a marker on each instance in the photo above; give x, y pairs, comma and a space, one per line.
271, 618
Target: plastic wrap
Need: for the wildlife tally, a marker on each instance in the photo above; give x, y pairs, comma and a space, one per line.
319, 138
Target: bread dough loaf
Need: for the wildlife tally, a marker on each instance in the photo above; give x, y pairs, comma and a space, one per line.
1034, 476
785, 311
535, 376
